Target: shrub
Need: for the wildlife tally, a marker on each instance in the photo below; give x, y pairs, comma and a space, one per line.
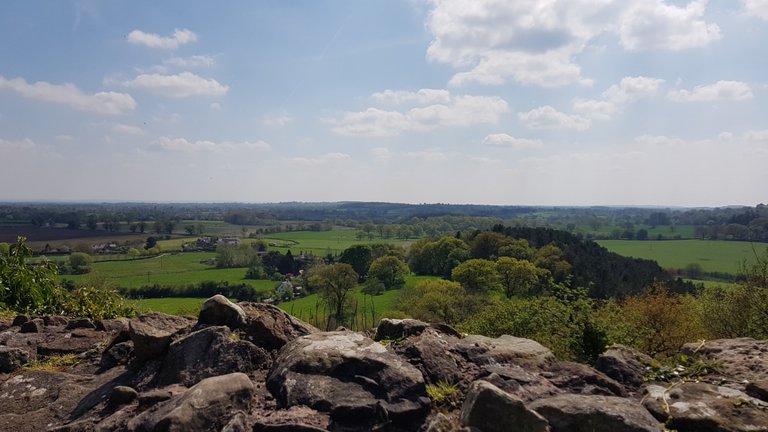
29, 288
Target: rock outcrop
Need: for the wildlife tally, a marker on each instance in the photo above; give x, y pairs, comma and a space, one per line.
252, 367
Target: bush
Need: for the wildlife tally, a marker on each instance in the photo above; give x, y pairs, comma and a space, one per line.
438, 301
32, 289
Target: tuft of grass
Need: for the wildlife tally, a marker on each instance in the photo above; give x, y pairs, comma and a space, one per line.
444, 394
53, 363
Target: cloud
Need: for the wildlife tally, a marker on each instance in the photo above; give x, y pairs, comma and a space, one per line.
536, 43
67, 94
185, 146
435, 154
457, 111
719, 91
422, 97
327, 158
756, 8
656, 25
194, 61
181, 85
277, 120
617, 97
508, 141
152, 40
128, 129
546, 117
215, 106
17, 145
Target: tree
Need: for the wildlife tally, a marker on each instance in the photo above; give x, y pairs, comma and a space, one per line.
80, 262
477, 276
359, 257
438, 301
29, 289
92, 222
552, 258
518, 277
437, 257
334, 284
390, 270
486, 244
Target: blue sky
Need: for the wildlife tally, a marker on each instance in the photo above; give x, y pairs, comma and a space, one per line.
580, 102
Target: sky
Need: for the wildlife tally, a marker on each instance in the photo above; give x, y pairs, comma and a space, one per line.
525, 102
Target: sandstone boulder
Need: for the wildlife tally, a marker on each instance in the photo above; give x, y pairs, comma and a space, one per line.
269, 327
208, 405
206, 353
218, 311
505, 349
490, 409
587, 413
702, 407
350, 376
624, 365
12, 358
152, 333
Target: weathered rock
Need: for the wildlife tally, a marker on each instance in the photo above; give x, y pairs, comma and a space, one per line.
742, 359
116, 325
33, 326
505, 349
209, 405
238, 423
587, 413
515, 380
490, 409
20, 319
80, 323
117, 354
579, 378
122, 395
431, 353
12, 359
55, 320
350, 376
702, 407
441, 423
296, 418
152, 333
209, 352
394, 329
624, 364
79, 341
269, 327
758, 389
218, 311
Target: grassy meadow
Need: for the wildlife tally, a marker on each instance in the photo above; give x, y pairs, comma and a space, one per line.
712, 255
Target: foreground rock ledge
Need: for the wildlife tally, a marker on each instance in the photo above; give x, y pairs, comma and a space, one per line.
350, 376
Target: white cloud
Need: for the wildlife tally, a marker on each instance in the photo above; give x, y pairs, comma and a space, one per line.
181, 85
152, 40
757, 8
128, 129
458, 111
653, 24
508, 141
757, 135
67, 94
327, 158
421, 97
194, 61
617, 97
16, 145
215, 106
277, 120
536, 43
186, 146
719, 91
546, 117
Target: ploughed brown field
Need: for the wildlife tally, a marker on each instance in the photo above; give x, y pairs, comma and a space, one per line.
41, 235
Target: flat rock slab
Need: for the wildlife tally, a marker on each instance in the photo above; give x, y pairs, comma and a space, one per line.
506, 349
740, 359
586, 413
270, 327
152, 333
490, 409
702, 407
351, 377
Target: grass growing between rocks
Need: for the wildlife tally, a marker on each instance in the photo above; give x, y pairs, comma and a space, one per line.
444, 395
55, 363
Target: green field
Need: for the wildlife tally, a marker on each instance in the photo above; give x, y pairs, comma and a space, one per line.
712, 255
321, 243
684, 231
171, 306
168, 269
